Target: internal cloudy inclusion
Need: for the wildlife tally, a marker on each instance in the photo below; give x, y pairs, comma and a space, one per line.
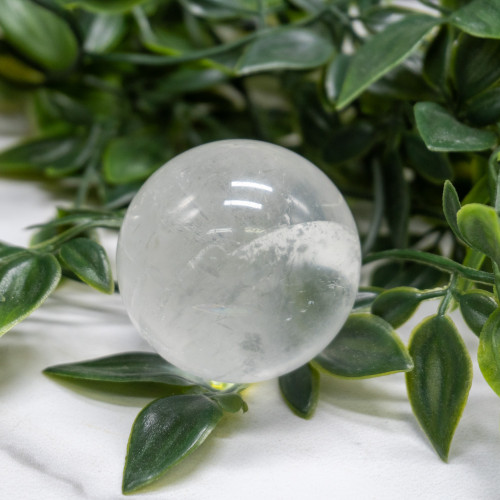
238, 261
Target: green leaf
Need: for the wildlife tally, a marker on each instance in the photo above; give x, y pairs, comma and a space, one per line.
335, 75
397, 200
110, 6
476, 307
481, 229
476, 65
300, 390
26, 280
165, 432
349, 142
488, 354
226, 9
89, 261
7, 250
451, 206
439, 384
142, 367
441, 131
132, 158
366, 346
34, 156
39, 34
104, 33
485, 108
432, 166
290, 48
480, 18
397, 305
230, 402
437, 58
383, 52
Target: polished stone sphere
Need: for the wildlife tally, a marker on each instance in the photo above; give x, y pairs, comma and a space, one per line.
238, 261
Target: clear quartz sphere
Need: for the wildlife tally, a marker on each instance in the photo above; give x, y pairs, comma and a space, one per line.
238, 261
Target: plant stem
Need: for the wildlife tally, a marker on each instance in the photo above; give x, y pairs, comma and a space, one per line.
442, 263
445, 303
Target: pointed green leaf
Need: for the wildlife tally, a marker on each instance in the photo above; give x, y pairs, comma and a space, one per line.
397, 305
26, 280
383, 52
481, 229
105, 32
126, 367
89, 261
280, 49
476, 307
480, 18
300, 390
366, 346
438, 385
476, 65
165, 432
432, 166
451, 206
38, 33
488, 354
132, 158
441, 131
38, 154
335, 75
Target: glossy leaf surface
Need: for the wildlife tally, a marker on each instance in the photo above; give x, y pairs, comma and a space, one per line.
476, 307
481, 228
230, 402
89, 261
165, 432
127, 367
438, 385
300, 390
104, 33
26, 280
480, 18
441, 131
488, 354
366, 346
39, 34
297, 48
383, 52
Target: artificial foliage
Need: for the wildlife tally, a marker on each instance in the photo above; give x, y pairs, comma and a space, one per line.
398, 103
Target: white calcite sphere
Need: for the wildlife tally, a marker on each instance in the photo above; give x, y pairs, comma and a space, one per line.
238, 261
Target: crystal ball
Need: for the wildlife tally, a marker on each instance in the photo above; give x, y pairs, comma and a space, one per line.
238, 261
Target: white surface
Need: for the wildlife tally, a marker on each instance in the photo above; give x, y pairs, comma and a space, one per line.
238, 261
362, 443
